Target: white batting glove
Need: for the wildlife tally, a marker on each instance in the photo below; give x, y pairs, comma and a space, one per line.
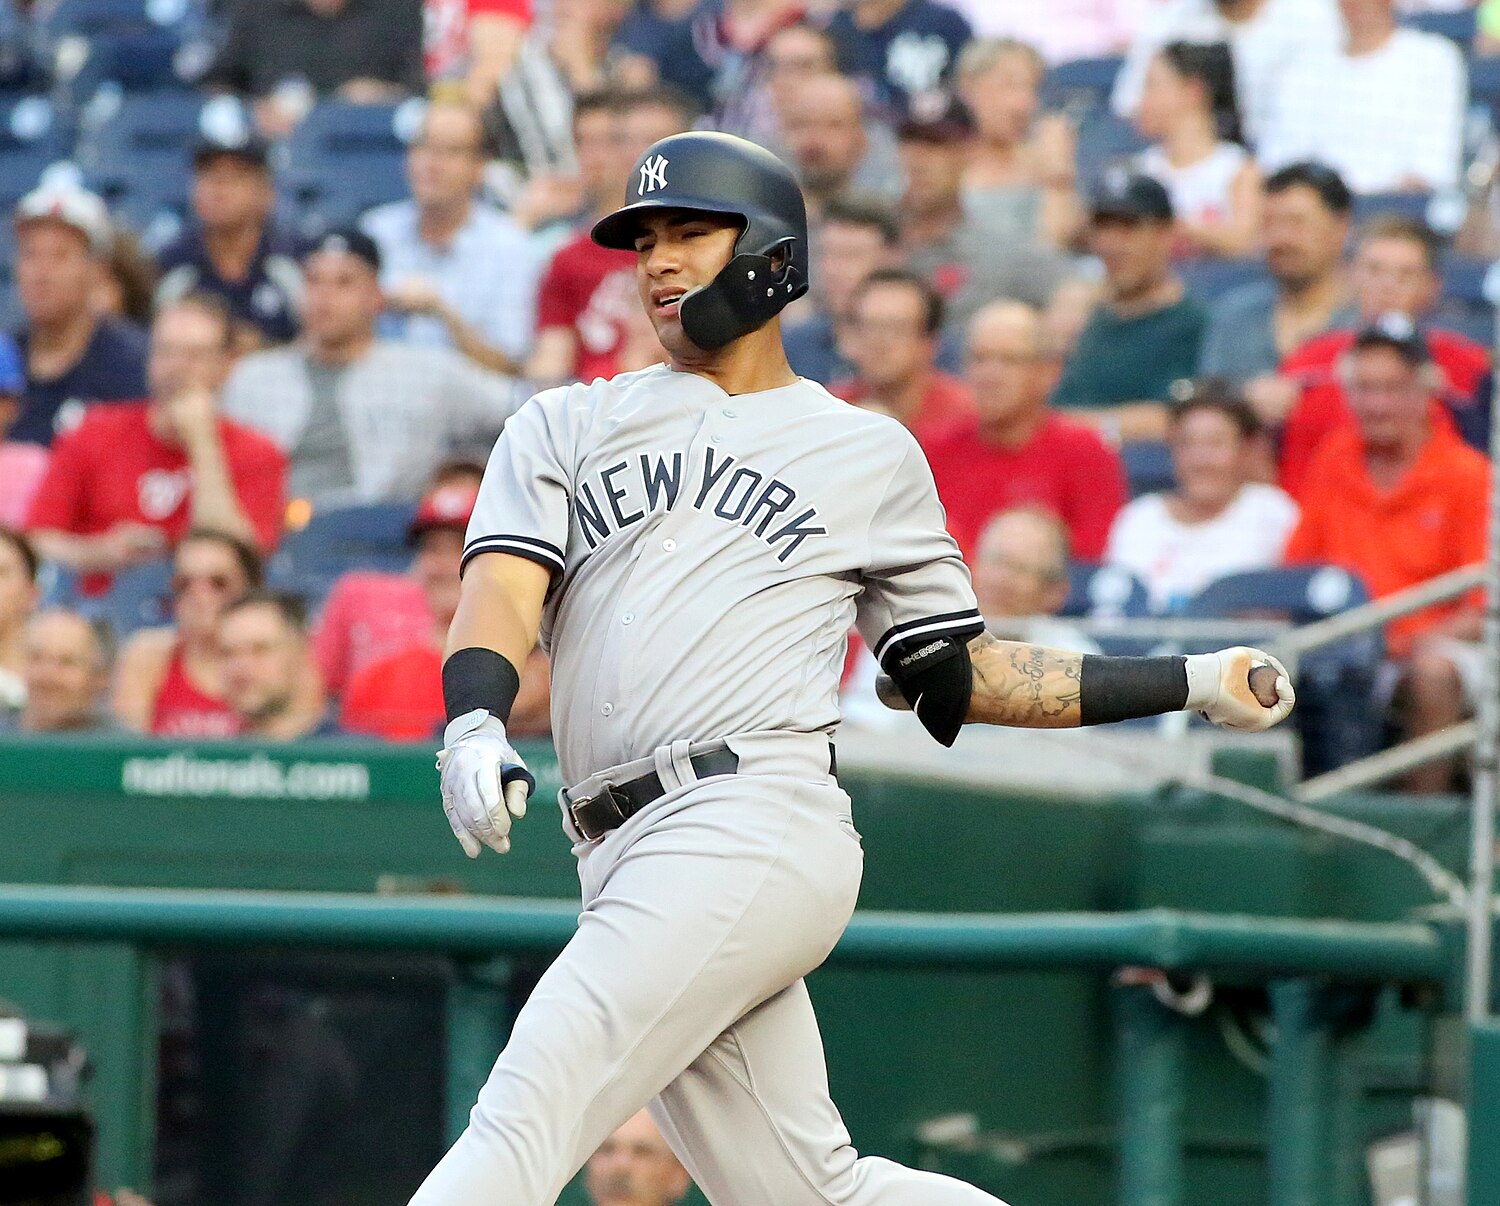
484, 782
1219, 689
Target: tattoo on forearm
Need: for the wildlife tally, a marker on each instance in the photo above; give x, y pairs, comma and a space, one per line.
1025, 686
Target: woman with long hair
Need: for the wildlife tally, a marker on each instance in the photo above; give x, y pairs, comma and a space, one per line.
1188, 109
169, 679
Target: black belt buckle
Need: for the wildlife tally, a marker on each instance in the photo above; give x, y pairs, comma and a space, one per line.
586, 813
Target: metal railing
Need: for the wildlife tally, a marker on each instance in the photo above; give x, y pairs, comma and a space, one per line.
1299, 961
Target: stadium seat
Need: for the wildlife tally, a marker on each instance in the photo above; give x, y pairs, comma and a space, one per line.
1207, 279
33, 135
146, 61
344, 159
138, 597
1081, 86
91, 18
1104, 141
1457, 26
1484, 82
134, 149
335, 541
1103, 591
1407, 205
1148, 466
1337, 713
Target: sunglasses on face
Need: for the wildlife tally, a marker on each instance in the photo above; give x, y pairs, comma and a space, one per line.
219, 584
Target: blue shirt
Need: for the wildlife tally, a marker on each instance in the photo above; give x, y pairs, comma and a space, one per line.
269, 296
912, 53
669, 43
111, 369
812, 351
488, 275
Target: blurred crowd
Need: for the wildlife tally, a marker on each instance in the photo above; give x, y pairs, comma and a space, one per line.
1190, 288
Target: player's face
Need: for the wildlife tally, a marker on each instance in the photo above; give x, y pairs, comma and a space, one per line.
18, 594
263, 656
55, 274
1210, 457
206, 577
65, 675
1387, 396
1393, 275
675, 252
1304, 238
635, 1167
435, 567
230, 193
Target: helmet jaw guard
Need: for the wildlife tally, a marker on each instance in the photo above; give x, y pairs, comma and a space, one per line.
748, 292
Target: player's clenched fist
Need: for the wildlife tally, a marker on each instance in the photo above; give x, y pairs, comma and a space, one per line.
484, 782
1239, 688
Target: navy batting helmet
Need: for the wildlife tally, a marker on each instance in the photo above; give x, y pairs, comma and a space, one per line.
721, 174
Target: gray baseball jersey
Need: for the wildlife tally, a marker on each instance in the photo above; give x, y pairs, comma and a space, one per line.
709, 554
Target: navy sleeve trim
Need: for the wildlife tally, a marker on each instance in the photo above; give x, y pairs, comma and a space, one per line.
955, 623
544, 554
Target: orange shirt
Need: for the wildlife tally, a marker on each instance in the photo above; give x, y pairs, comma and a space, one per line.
1431, 522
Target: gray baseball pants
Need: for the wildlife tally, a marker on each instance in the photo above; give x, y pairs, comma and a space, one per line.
683, 989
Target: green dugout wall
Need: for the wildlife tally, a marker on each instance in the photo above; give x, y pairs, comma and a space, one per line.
1007, 1080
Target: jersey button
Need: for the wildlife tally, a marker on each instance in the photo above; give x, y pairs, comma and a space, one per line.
729, 414
628, 618
669, 544
607, 709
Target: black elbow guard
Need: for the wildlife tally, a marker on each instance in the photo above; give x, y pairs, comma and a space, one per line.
936, 677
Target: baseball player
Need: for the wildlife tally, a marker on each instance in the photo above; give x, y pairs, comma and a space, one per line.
691, 544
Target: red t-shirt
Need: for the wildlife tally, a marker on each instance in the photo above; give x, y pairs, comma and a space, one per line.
1065, 467
590, 290
947, 405
113, 469
1322, 406
367, 617
445, 29
399, 698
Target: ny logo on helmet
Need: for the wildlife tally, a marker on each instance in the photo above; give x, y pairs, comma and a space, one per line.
653, 174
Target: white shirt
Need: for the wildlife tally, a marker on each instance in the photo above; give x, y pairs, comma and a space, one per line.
1200, 191
1176, 560
1280, 35
1060, 29
488, 274
1376, 117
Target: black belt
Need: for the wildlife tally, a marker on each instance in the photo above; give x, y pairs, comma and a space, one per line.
594, 816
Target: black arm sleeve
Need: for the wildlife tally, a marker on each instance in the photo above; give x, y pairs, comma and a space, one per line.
479, 678
1124, 688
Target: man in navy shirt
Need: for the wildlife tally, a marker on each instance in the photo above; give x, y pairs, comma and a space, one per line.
233, 250
73, 357
901, 49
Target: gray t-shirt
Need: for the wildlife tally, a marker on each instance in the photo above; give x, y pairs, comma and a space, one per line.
320, 461
709, 554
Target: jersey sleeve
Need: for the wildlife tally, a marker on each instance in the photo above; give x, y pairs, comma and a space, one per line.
522, 508
915, 583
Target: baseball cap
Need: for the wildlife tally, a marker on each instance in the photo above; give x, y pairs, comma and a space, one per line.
1123, 194
12, 370
241, 143
346, 240
84, 211
1398, 332
936, 117
443, 507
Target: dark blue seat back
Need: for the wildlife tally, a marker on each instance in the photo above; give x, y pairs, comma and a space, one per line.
1104, 591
